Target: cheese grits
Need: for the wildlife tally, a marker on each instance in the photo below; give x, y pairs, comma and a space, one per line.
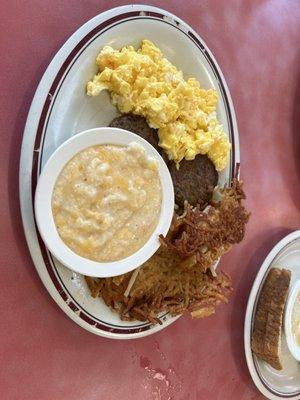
106, 202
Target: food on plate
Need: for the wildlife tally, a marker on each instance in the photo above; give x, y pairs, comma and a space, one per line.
162, 284
266, 336
106, 202
180, 276
296, 320
194, 181
145, 83
177, 117
138, 125
200, 236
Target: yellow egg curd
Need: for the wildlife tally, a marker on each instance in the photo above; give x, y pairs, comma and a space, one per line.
145, 83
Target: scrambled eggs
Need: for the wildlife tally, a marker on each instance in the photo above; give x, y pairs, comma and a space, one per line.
143, 82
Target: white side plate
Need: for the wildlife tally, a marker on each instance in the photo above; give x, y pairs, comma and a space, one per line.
274, 384
60, 109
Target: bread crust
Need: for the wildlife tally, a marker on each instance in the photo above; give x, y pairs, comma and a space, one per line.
266, 336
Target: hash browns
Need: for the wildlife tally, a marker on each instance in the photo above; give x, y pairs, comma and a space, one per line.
206, 234
178, 277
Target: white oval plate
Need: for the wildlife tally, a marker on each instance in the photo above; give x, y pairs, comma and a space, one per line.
274, 384
60, 109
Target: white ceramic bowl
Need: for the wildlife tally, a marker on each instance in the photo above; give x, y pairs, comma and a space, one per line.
43, 196
291, 342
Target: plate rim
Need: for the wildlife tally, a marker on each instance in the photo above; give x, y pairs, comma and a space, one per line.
28, 142
252, 300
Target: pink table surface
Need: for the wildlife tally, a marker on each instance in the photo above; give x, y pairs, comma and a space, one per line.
43, 354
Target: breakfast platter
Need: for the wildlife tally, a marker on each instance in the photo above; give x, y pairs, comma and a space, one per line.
80, 98
276, 374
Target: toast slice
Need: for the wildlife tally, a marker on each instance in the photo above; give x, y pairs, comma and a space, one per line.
266, 336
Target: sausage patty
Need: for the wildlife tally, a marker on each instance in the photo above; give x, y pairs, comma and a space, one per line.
138, 125
194, 181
